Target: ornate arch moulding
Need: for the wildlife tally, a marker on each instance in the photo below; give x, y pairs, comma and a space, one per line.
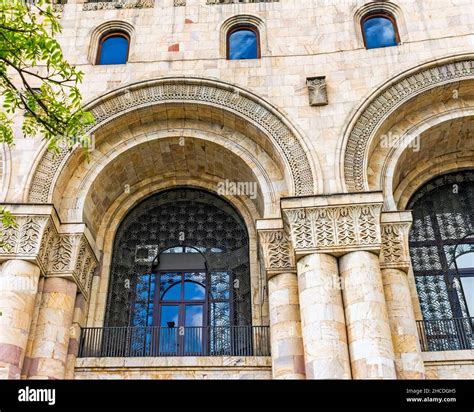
58, 250
283, 135
380, 105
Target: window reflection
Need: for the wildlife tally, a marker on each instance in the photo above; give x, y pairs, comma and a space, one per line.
379, 31
113, 49
243, 44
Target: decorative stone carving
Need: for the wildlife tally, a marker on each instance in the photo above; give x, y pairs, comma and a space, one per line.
395, 228
179, 3
386, 102
318, 95
36, 238
194, 91
333, 229
119, 4
277, 252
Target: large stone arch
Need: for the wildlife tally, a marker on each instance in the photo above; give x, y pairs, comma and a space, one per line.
401, 104
301, 172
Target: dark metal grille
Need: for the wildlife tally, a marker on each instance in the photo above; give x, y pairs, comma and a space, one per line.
161, 341
187, 217
446, 334
443, 215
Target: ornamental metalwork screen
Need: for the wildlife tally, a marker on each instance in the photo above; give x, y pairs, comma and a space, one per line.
206, 292
443, 216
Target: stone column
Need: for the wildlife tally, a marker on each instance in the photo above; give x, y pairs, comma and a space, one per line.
18, 287
322, 316
285, 322
395, 264
346, 226
368, 329
73, 348
51, 341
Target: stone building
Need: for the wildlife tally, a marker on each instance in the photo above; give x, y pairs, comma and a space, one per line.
276, 189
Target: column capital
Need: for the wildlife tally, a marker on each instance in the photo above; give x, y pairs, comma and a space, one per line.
334, 224
395, 229
60, 250
275, 244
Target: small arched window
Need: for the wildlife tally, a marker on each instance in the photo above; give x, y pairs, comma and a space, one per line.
113, 48
380, 30
243, 42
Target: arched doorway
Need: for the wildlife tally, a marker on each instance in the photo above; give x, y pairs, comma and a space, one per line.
180, 277
443, 220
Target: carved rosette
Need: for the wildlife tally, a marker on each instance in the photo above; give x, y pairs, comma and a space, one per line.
334, 229
395, 251
277, 252
36, 238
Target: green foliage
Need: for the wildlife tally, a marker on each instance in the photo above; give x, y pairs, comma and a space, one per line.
35, 77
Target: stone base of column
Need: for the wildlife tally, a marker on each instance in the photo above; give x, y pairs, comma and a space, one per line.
322, 317
18, 288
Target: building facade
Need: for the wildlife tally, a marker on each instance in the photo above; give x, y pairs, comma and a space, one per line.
275, 189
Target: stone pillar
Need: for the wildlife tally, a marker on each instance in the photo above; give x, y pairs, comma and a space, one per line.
73, 348
18, 287
395, 264
285, 323
322, 316
347, 225
368, 329
285, 327
51, 341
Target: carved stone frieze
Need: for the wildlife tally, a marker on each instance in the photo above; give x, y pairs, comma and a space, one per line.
118, 4
36, 238
334, 229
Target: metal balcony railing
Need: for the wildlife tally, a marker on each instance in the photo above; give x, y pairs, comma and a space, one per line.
446, 334
175, 341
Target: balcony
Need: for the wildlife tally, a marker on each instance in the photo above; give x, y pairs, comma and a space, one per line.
154, 341
446, 334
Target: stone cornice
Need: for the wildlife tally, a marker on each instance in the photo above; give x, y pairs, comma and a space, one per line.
276, 248
39, 237
335, 224
118, 4
395, 229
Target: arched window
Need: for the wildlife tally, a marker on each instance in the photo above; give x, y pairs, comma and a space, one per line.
440, 239
182, 252
113, 48
379, 30
243, 42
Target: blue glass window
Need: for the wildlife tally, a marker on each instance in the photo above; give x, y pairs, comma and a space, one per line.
379, 31
243, 44
113, 49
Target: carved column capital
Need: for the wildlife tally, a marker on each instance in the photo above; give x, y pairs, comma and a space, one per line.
276, 248
58, 250
395, 229
334, 224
